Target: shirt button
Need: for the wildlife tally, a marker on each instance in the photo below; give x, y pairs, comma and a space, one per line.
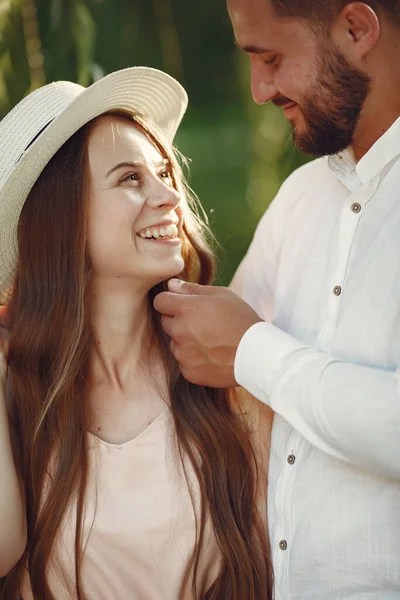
356, 207
337, 290
291, 459
283, 545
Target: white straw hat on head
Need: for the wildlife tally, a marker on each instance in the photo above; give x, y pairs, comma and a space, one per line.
33, 131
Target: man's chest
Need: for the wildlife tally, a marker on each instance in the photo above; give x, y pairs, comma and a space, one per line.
334, 530
338, 277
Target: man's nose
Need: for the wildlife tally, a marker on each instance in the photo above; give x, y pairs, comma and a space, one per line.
263, 87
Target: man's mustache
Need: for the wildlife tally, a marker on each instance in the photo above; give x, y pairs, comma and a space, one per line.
282, 101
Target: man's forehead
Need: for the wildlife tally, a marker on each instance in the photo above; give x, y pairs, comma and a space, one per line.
251, 10
253, 22
260, 31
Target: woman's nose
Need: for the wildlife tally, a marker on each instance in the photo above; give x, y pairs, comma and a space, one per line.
163, 195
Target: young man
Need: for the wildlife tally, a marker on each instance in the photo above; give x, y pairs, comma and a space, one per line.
317, 336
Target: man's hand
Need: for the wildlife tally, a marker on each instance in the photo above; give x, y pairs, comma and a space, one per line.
205, 324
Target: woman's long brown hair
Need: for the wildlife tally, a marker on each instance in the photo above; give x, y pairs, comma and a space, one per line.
49, 364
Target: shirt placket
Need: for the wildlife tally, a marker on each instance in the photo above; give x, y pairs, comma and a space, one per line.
352, 212
283, 529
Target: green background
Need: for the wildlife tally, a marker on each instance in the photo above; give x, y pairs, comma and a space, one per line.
240, 153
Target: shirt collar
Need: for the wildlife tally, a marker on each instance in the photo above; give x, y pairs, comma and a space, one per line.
353, 174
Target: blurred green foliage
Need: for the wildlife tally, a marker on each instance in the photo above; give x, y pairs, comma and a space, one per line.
240, 152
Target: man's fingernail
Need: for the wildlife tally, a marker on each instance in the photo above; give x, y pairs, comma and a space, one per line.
176, 282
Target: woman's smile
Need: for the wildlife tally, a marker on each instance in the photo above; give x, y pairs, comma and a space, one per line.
162, 232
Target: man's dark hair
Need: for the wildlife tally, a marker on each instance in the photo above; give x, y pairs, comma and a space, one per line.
322, 12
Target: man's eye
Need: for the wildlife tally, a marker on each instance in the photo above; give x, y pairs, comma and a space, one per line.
271, 61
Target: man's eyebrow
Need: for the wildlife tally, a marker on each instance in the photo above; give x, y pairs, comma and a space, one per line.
136, 164
253, 49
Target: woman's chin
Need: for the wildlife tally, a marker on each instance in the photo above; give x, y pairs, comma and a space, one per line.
166, 274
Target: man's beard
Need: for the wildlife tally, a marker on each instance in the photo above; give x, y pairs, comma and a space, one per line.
332, 110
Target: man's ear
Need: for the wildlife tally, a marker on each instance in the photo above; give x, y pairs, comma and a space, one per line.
357, 30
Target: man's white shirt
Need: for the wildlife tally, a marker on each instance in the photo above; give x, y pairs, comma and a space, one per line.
323, 271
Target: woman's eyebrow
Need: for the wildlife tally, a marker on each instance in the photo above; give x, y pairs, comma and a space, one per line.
136, 163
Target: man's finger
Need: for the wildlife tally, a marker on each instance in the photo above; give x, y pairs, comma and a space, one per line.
177, 286
167, 303
168, 325
178, 353
174, 346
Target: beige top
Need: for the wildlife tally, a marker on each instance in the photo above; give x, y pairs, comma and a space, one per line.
141, 534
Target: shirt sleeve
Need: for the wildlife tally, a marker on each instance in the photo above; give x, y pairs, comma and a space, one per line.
349, 411
255, 278
252, 283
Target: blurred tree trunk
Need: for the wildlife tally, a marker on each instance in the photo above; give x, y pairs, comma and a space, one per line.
168, 36
14, 67
42, 41
33, 45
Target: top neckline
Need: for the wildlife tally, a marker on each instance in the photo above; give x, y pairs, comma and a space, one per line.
157, 421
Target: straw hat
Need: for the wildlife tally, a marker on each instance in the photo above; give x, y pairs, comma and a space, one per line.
33, 131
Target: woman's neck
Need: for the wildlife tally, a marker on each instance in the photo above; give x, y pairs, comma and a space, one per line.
120, 319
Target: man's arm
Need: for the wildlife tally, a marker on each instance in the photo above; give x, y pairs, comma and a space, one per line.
350, 411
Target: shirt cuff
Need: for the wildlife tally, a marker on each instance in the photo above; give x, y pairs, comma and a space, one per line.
260, 359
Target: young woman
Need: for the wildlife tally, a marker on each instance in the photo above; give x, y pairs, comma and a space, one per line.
119, 478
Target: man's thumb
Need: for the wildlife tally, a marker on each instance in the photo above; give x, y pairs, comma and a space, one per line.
177, 286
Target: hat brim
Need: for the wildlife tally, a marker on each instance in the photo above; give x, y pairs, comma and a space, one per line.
142, 90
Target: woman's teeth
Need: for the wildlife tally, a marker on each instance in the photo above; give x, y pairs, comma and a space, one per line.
159, 232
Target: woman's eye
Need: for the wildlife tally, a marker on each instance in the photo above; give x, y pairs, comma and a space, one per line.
166, 175
131, 177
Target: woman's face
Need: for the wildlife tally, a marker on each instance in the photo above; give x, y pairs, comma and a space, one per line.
133, 207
